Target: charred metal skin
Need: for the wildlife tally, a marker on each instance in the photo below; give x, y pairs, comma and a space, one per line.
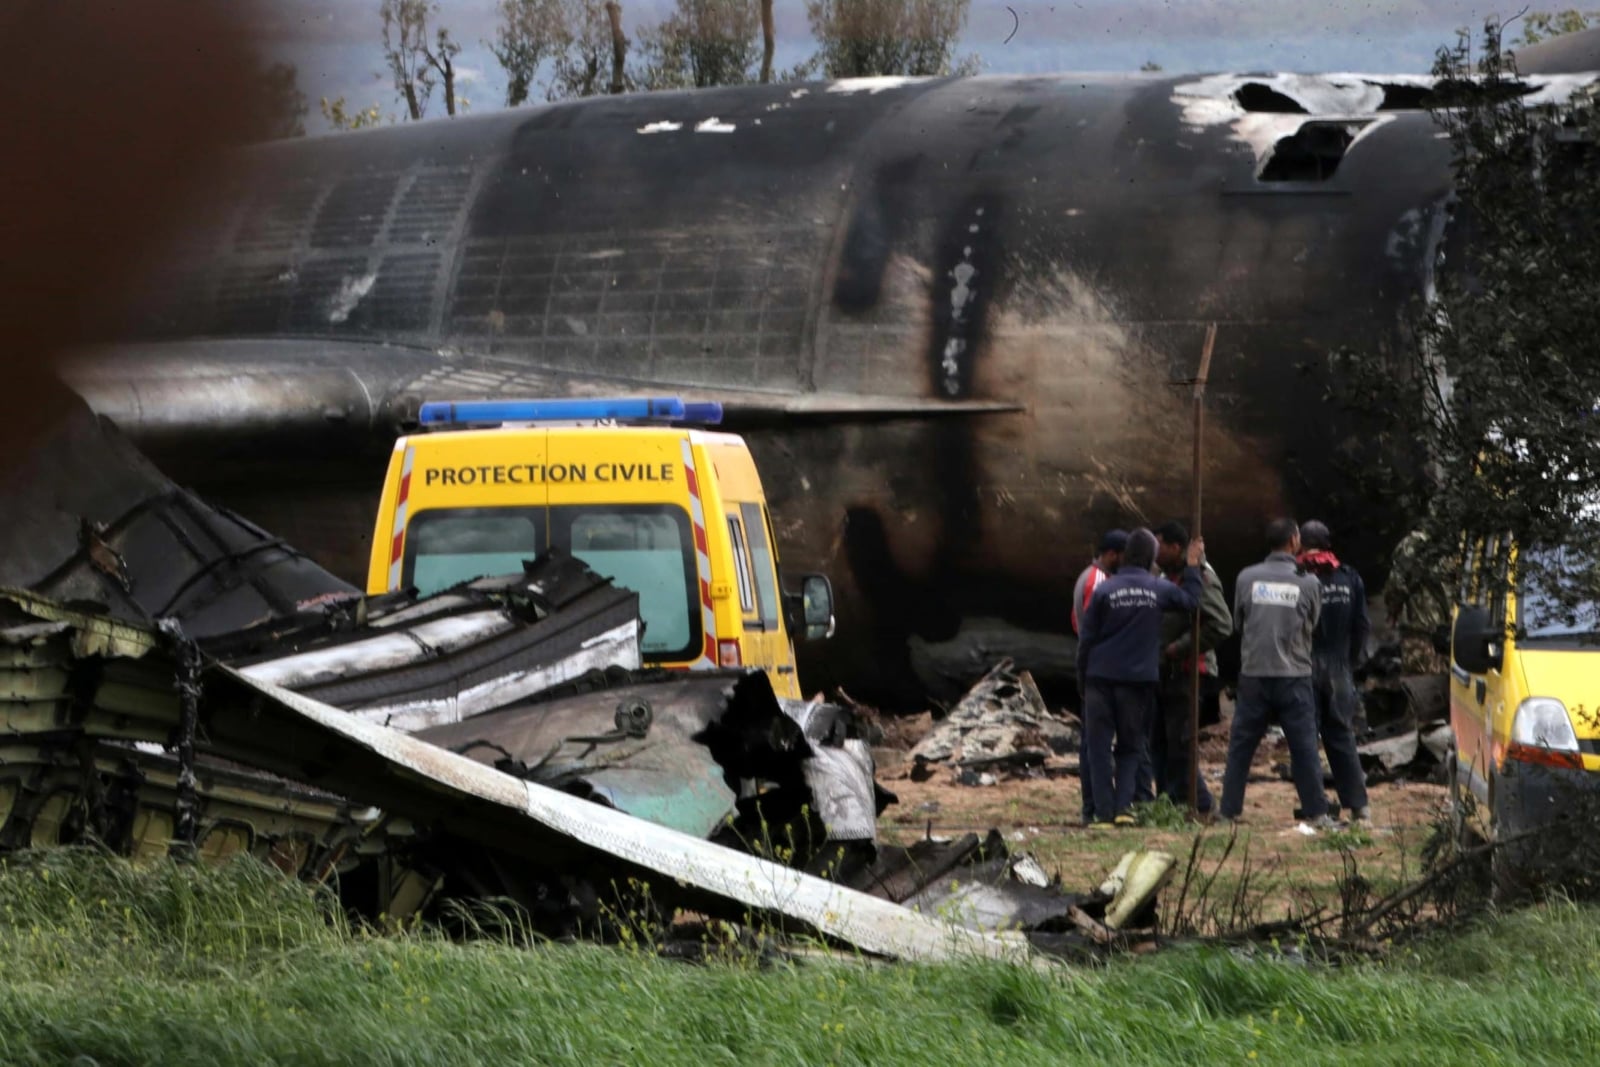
948, 315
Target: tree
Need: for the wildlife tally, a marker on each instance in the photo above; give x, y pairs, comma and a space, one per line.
405, 34
702, 43
531, 32
441, 57
1538, 25
339, 115
861, 38
594, 41
1493, 412
416, 58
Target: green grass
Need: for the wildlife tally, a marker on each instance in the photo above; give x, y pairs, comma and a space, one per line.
175, 965
1162, 814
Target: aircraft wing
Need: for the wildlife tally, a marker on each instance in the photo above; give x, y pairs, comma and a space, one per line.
317, 393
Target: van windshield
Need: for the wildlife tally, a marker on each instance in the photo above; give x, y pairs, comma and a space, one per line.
646, 548
1552, 600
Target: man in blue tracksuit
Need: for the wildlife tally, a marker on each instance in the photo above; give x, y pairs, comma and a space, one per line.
1336, 649
1275, 610
1119, 664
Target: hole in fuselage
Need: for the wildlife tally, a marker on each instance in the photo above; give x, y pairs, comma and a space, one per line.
1450, 92
1310, 154
1254, 96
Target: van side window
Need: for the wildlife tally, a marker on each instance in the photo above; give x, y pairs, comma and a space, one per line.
762, 560
1472, 575
1492, 583
741, 563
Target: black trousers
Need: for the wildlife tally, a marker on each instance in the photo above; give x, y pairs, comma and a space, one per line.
1335, 692
1169, 743
1258, 701
1116, 723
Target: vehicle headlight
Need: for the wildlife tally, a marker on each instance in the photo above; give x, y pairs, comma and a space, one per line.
1543, 723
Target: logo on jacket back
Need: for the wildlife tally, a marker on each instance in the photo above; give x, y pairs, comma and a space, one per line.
1131, 597
1281, 594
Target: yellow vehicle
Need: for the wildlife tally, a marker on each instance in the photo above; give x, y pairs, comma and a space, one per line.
1524, 697
675, 513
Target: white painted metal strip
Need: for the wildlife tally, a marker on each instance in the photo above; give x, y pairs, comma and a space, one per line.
867, 922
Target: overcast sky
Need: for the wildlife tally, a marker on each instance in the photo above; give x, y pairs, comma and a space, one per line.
335, 43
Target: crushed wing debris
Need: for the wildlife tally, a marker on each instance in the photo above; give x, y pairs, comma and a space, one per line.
412, 663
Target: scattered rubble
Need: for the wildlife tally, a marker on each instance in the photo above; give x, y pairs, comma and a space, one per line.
1405, 732
1001, 726
1402, 729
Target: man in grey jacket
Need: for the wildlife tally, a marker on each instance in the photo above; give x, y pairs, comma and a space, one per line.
1275, 610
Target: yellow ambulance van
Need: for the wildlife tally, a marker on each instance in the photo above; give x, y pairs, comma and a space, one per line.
670, 510
1524, 698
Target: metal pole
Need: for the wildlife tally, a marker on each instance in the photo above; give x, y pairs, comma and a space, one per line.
1194, 648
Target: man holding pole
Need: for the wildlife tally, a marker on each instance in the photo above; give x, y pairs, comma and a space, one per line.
1193, 732
1171, 738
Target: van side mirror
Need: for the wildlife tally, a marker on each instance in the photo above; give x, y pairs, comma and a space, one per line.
811, 609
1475, 641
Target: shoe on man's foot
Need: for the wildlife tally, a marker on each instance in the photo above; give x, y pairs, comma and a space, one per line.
1125, 819
1323, 824
1361, 816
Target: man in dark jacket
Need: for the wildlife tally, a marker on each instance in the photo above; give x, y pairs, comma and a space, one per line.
1108, 556
1275, 609
1169, 741
1337, 647
1119, 653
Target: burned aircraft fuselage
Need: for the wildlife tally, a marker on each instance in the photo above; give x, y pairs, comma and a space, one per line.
855, 267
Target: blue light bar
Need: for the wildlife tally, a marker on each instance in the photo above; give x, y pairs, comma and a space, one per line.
702, 412
566, 409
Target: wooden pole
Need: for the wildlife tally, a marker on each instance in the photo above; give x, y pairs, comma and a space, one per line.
1195, 531
768, 41
619, 48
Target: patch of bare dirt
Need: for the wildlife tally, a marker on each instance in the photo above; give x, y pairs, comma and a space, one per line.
1042, 815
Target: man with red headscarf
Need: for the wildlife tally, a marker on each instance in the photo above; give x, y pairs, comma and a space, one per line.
1337, 647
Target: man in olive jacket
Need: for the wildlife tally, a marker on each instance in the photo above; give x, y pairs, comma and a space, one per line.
1275, 608
1169, 742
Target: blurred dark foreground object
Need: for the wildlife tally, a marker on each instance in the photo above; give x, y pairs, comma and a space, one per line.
120, 111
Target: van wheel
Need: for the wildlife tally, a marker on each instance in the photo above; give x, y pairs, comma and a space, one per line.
1511, 883
1458, 811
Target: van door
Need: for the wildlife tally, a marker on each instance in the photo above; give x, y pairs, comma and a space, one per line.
471, 504
762, 641
1475, 693
618, 502
769, 595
